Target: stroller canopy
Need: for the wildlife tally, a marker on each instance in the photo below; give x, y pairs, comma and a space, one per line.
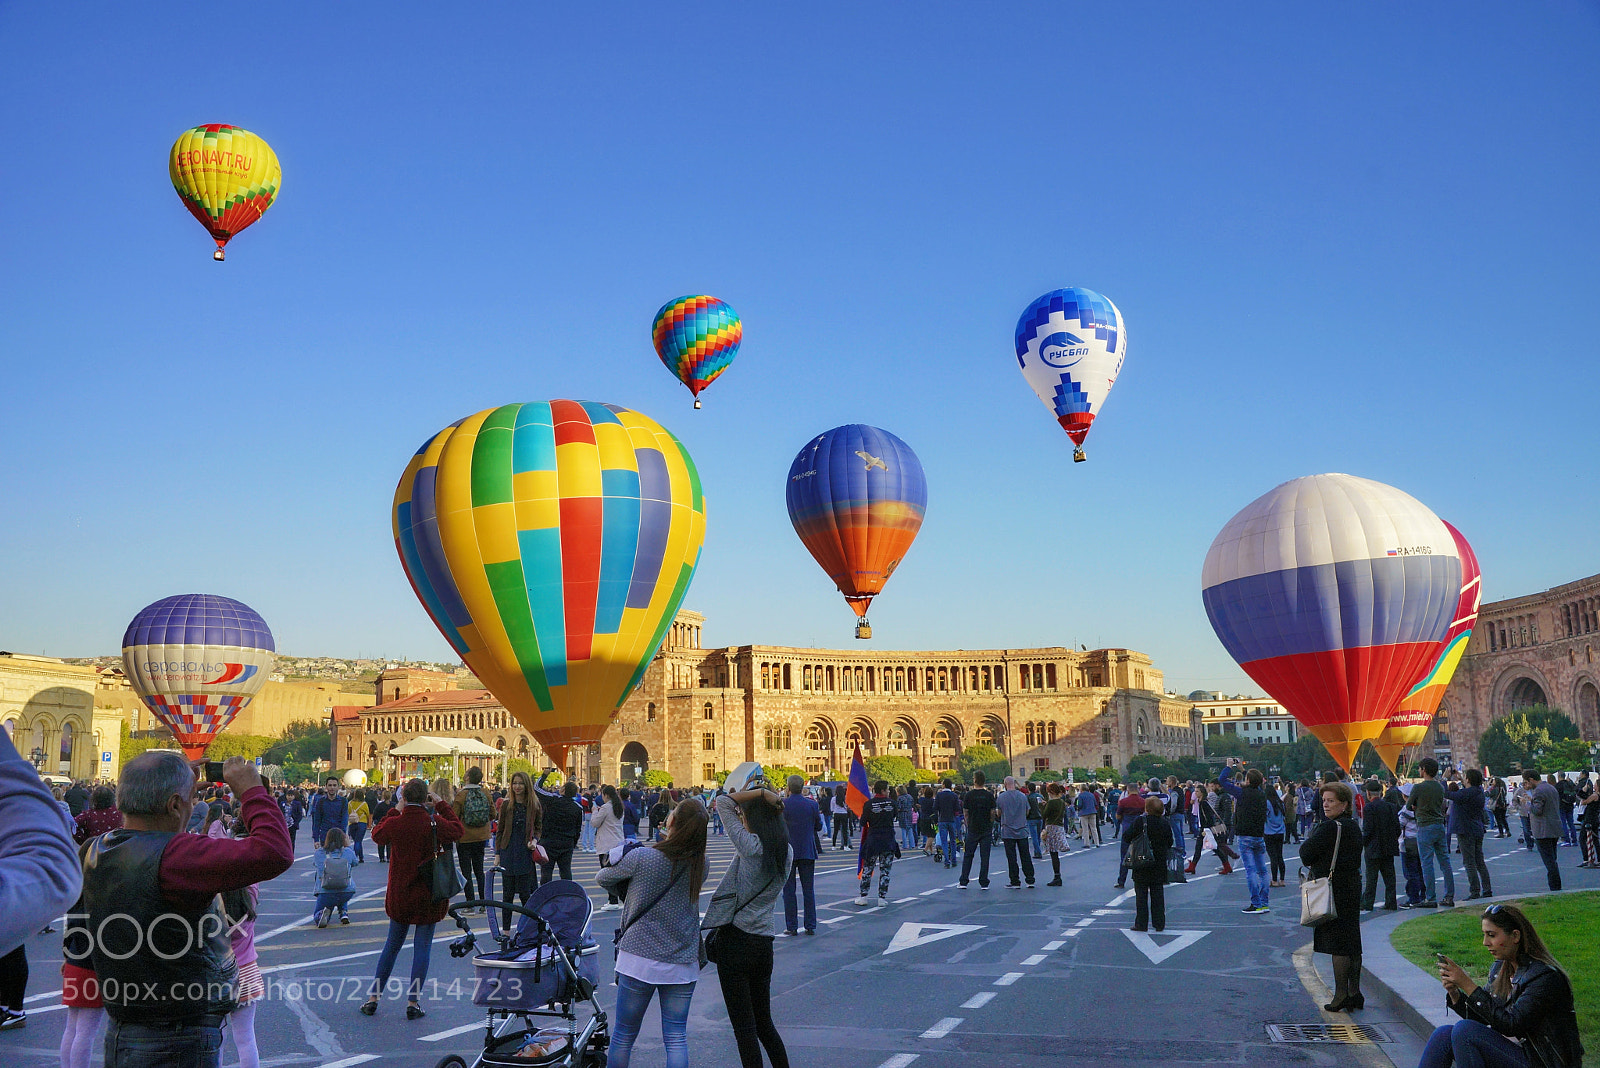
565, 906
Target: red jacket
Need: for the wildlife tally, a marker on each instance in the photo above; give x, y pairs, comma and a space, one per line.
407, 834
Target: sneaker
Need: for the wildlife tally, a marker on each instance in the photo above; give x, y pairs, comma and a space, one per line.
1013, 886
862, 900
983, 886
1448, 903
343, 918
322, 918
1030, 886
811, 930
883, 903
608, 907
1405, 905
1427, 904
791, 934
1251, 910
10, 1021
1054, 882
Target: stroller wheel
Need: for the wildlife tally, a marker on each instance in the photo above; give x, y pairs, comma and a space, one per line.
451, 1061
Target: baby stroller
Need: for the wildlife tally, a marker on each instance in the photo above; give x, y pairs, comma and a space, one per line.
545, 968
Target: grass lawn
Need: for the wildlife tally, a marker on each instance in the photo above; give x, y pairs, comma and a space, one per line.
1568, 924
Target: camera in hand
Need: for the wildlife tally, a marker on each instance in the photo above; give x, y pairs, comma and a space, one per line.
209, 771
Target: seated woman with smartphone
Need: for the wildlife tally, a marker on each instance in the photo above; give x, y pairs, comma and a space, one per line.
1524, 1018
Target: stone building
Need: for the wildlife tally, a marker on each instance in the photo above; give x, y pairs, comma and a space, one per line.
698, 711
60, 716
1539, 649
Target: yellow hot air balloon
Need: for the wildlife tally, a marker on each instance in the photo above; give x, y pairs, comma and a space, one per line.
552, 544
227, 178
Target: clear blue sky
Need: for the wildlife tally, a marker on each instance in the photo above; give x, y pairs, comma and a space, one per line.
1359, 238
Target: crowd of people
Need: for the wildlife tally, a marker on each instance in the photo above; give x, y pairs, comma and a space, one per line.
160, 848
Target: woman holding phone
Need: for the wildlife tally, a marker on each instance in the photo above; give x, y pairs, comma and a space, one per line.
1522, 1018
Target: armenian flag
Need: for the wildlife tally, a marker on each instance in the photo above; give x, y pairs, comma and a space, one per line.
856, 792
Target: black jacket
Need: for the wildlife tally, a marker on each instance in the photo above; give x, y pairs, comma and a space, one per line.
1160, 834
1539, 1012
1380, 830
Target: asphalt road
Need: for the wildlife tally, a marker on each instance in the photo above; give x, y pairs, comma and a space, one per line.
942, 977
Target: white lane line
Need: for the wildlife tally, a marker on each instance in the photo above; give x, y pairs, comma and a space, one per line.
47, 1008
1083, 923
1108, 912
942, 1028
324, 960
360, 1058
440, 1036
1050, 946
41, 997
304, 920
1119, 899
1037, 958
899, 1060
903, 900
839, 919
979, 1000
1073, 933
1008, 978
925, 893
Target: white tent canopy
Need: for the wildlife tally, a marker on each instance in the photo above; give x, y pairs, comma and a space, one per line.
425, 746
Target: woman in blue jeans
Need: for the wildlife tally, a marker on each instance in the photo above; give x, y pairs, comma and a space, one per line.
1526, 1008
658, 949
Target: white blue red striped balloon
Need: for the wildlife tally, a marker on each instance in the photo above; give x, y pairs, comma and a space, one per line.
1335, 594
196, 660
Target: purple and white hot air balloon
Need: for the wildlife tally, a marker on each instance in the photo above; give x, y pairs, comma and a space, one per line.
196, 660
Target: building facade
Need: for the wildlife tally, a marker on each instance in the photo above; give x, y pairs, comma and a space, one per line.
1540, 649
699, 711
60, 716
1257, 720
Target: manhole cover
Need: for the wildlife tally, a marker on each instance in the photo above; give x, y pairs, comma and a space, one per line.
1340, 1033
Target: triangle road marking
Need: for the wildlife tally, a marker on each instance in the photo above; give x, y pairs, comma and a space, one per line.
1158, 952
911, 935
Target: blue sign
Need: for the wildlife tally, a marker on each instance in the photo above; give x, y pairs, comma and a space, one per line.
105, 758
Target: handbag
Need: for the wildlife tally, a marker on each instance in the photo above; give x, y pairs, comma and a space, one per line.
1316, 895
439, 873
540, 854
1140, 853
708, 935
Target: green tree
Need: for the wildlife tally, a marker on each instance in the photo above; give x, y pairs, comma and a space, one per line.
655, 778
894, 769
1517, 740
248, 746
778, 774
301, 743
1044, 775
984, 758
1569, 754
1227, 745
132, 747
1106, 774
924, 775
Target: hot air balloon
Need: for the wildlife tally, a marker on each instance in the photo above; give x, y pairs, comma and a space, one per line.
1334, 593
1410, 724
552, 544
856, 497
196, 660
227, 178
1070, 345
697, 338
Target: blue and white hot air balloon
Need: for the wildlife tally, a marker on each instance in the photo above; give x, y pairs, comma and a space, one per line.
1335, 593
1070, 346
196, 660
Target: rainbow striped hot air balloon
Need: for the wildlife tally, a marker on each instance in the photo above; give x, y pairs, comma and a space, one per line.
196, 660
1334, 593
1410, 724
856, 497
226, 177
697, 338
552, 544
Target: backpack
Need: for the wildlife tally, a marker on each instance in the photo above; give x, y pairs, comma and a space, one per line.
475, 809
1567, 792
336, 873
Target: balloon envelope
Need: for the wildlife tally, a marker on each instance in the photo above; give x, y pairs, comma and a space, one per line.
196, 660
1070, 346
856, 497
226, 177
1410, 724
552, 544
697, 338
1335, 594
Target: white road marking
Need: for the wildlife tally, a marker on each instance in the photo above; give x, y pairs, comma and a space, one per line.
1083, 923
41, 997
979, 1000
304, 920
838, 919
1073, 933
903, 900
942, 1028
1108, 912
935, 890
319, 1036
913, 934
1157, 953
1119, 899
1049, 946
324, 960
899, 1060
1037, 958
440, 1036
360, 1058
1008, 978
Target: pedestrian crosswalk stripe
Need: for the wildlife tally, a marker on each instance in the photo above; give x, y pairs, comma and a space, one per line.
979, 1000
360, 1058
943, 1027
899, 1060
440, 1036
1037, 958
1008, 978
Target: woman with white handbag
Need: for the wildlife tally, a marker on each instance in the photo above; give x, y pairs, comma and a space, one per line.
1331, 898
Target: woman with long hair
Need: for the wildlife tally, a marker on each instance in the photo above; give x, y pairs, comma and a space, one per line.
1276, 826
1150, 883
741, 910
1525, 1016
1333, 848
520, 818
658, 945
1055, 828
607, 824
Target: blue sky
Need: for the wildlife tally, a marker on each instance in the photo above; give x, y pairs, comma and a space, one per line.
1353, 239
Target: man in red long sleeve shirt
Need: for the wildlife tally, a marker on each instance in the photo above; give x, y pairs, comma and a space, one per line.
158, 935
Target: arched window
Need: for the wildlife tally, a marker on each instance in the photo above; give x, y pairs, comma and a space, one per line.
650, 712
500, 744
897, 738
941, 737
985, 733
1142, 730
66, 743
805, 677
1050, 732
707, 711
1027, 733
522, 748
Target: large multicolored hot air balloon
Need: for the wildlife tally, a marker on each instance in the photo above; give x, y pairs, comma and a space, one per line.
856, 497
1070, 346
196, 660
552, 544
1410, 724
1334, 593
697, 338
227, 178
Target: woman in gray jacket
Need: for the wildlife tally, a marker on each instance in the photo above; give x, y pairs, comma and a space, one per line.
742, 910
658, 951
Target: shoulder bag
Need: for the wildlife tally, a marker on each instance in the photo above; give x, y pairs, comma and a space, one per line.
1140, 853
616, 936
708, 935
439, 872
1316, 895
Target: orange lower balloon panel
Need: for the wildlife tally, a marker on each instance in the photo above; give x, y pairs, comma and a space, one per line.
858, 605
1343, 740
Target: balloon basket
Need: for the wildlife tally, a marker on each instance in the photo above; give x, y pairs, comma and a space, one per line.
697, 402
1078, 455
218, 256
863, 629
